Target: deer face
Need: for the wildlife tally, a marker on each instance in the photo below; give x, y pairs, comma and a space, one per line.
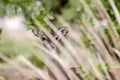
46, 40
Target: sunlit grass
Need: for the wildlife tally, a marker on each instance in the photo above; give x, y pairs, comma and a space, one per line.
90, 50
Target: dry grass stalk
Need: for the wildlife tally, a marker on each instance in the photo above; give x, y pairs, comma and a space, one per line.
117, 14
79, 55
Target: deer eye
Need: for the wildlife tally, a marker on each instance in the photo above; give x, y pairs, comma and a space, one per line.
56, 37
44, 38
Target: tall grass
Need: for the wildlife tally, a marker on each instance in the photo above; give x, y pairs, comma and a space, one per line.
87, 54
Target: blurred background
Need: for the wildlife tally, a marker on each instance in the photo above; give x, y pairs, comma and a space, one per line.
91, 47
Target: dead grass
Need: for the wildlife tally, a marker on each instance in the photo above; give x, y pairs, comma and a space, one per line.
93, 62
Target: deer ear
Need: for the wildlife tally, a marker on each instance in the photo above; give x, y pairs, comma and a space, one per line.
35, 33
38, 34
64, 31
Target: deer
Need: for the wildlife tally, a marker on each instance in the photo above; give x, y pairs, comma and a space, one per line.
49, 45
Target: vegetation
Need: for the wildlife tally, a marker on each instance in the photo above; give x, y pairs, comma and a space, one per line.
91, 49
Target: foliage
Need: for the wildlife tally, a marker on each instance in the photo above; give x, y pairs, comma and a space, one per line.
86, 41
74, 13
30, 9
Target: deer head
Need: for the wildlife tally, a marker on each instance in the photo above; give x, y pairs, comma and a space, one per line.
46, 40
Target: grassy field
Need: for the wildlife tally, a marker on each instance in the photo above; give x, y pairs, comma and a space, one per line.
90, 50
